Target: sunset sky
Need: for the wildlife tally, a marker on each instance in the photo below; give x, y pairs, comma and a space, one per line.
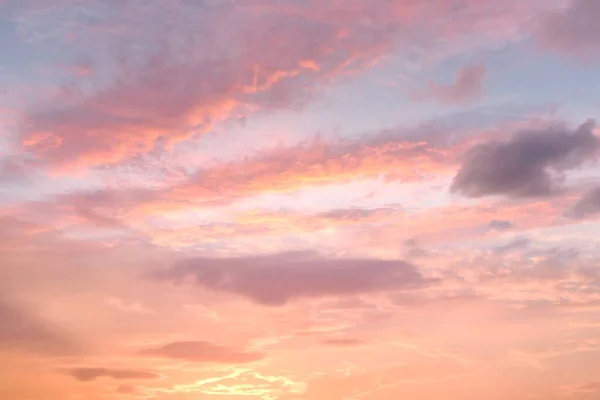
299, 200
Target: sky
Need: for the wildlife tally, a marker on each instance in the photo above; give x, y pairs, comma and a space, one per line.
299, 199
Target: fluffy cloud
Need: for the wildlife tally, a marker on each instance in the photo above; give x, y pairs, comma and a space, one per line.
527, 165
201, 352
276, 279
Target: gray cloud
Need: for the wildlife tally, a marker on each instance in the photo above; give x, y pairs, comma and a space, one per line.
588, 204
500, 225
528, 165
412, 249
574, 30
91, 374
517, 244
200, 351
276, 279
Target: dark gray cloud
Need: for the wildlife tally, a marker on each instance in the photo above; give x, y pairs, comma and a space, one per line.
528, 165
20, 329
588, 204
91, 374
276, 279
500, 225
200, 351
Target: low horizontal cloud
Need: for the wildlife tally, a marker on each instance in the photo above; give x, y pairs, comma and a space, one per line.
91, 374
274, 280
529, 164
201, 352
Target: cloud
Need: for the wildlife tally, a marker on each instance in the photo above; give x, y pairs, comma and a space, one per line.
91, 374
516, 244
274, 280
591, 387
201, 352
283, 169
318, 162
573, 30
527, 165
126, 389
588, 204
242, 61
23, 330
13, 170
500, 225
179, 77
412, 249
467, 87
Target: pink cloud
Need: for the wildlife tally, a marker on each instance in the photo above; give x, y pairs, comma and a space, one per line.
247, 58
277, 279
273, 59
467, 87
573, 30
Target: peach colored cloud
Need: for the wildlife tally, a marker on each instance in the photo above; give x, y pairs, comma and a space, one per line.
87, 374
315, 163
